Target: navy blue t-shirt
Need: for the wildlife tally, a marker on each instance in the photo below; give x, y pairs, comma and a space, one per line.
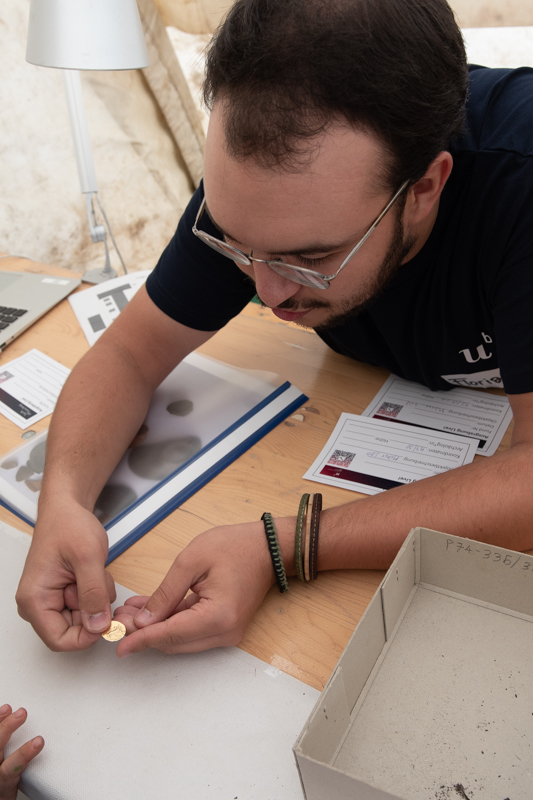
460, 313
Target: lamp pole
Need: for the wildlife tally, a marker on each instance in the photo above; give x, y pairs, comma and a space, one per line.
86, 171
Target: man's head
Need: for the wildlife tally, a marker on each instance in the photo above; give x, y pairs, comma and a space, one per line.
287, 69
321, 109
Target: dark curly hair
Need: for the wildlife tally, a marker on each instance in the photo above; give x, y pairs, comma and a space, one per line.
287, 69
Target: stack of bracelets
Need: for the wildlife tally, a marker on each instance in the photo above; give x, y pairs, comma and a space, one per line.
305, 543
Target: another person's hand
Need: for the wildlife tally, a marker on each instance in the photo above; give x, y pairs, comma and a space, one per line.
12, 767
68, 552
228, 570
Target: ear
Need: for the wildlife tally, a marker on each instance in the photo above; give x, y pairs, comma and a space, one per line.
426, 192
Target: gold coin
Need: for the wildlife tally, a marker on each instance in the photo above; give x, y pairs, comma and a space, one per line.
115, 632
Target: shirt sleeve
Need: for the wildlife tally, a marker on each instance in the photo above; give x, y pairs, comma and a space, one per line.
192, 283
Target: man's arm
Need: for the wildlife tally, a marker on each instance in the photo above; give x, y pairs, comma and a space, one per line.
101, 407
229, 570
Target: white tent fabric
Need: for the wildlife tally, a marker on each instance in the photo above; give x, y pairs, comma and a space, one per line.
142, 180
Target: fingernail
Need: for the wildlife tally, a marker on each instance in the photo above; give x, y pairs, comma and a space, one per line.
98, 622
124, 655
143, 616
4, 709
37, 742
20, 713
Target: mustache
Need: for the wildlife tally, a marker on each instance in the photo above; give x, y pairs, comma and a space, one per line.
298, 305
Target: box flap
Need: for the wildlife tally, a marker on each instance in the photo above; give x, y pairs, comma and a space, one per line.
328, 783
481, 571
399, 582
327, 724
363, 650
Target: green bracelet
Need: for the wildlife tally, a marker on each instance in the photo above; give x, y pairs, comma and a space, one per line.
275, 555
301, 520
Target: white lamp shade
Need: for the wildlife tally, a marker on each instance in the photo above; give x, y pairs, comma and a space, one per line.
86, 34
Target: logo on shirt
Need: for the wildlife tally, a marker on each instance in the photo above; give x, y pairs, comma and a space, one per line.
481, 352
489, 379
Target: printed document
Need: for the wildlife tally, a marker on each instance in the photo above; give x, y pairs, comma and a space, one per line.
467, 412
371, 455
29, 387
97, 307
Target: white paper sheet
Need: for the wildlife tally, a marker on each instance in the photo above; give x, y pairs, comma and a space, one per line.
97, 307
467, 412
29, 387
370, 455
213, 725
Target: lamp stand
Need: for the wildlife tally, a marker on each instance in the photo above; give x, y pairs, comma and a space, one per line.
86, 171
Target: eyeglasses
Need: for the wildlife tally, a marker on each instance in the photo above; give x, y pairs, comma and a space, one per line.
306, 277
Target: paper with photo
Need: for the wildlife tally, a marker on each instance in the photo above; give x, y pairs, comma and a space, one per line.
370, 455
30, 386
96, 308
466, 412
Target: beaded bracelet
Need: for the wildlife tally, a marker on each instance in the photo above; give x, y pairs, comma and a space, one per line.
275, 555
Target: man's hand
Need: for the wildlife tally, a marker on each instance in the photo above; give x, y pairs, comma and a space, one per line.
65, 592
228, 571
12, 767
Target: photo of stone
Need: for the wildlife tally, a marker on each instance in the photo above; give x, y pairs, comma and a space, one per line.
111, 501
23, 473
37, 456
156, 461
34, 485
180, 408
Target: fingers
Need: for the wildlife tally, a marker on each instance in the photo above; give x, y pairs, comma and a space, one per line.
9, 723
138, 600
93, 595
169, 594
64, 632
127, 612
199, 625
71, 597
65, 570
12, 767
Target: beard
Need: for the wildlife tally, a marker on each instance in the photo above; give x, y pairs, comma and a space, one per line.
354, 305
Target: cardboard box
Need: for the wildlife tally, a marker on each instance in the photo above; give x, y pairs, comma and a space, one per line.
433, 697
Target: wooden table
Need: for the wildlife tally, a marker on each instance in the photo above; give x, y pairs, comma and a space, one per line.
304, 631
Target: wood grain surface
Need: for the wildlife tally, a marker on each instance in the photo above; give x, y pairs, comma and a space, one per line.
304, 631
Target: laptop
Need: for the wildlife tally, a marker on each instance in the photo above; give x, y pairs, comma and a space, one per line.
24, 297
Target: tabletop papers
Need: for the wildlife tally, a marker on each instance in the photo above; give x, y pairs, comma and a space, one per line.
467, 412
30, 386
97, 307
371, 455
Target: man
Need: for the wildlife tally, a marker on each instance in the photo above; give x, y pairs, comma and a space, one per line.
328, 116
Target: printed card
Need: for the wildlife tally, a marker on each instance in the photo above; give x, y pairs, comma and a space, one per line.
466, 412
371, 455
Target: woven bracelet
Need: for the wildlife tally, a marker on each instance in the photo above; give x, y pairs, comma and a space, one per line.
301, 522
275, 555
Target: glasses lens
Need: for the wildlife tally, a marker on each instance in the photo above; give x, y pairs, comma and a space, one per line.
224, 249
296, 275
